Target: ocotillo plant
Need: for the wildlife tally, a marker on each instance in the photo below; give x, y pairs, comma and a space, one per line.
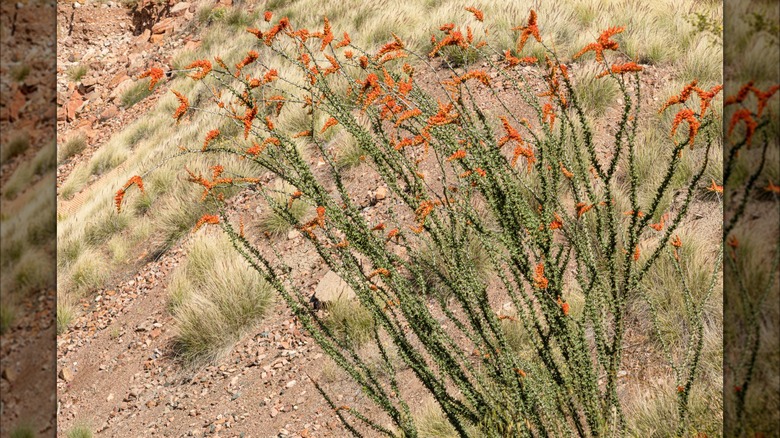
554, 210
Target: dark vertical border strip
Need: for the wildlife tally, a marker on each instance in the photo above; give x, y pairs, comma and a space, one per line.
752, 242
28, 218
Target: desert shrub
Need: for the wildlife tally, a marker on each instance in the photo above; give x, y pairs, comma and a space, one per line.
65, 314
349, 322
553, 226
80, 431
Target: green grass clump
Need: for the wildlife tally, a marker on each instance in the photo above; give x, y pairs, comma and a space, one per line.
7, 316
89, 272
348, 153
31, 273
80, 431
18, 144
71, 147
65, 315
23, 431
106, 225
107, 158
350, 322
77, 72
136, 93
20, 72
215, 299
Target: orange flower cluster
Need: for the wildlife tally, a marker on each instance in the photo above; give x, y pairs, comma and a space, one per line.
267, 16
660, 225
530, 29
557, 223
528, 153
268, 37
458, 155
209, 185
772, 188
120, 194
155, 74
540, 281
566, 172
633, 213
211, 135
204, 66
564, 306
744, 115
444, 116
619, 69
705, 97
453, 38
184, 104
381, 271
677, 244
206, 219
636, 253
548, 113
582, 208
248, 59
477, 13
318, 221
345, 41
762, 96
603, 43
407, 115
693, 124
328, 123
714, 187
512, 61
326, 36
249, 116
511, 133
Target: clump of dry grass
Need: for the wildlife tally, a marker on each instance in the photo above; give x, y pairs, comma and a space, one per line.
214, 298
72, 146
277, 223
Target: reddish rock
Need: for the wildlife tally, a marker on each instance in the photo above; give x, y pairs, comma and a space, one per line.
179, 9
192, 45
16, 104
163, 26
73, 106
108, 113
118, 79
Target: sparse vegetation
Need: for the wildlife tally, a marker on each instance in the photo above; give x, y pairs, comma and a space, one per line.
80, 431
20, 72
23, 431
77, 72
7, 316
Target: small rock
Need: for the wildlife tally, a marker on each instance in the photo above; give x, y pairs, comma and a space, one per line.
76, 5
293, 234
179, 9
331, 288
108, 113
66, 374
9, 375
290, 384
380, 193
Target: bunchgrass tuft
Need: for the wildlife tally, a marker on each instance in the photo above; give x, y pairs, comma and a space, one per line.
18, 145
77, 72
215, 299
277, 223
71, 147
349, 321
136, 93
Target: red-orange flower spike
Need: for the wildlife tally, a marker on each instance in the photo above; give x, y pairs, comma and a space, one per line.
459, 154
478, 75
184, 104
557, 223
714, 187
633, 213
345, 41
155, 74
566, 172
705, 97
660, 225
676, 242
603, 43
205, 68
740, 96
120, 194
477, 13
248, 59
772, 188
583, 208
327, 35
511, 133
267, 16
620, 69
751, 125
563, 305
763, 97
379, 227
256, 32
392, 234
680, 98
693, 124
328, 123
528, 153
211, 135
528, 30
206, 219
636, 253
540, 281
